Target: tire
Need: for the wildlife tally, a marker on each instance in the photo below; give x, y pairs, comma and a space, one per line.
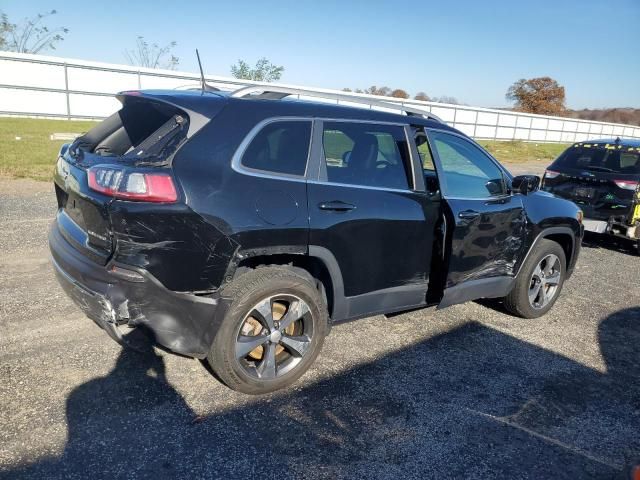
539, 284
283, 352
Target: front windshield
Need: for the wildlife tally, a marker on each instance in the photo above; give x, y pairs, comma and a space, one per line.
602, 158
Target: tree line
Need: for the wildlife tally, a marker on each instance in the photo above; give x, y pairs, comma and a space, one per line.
401, 93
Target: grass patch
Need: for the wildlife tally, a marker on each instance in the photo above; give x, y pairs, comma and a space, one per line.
523, 152
34, 155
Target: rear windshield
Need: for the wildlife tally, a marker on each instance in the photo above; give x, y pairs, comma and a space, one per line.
601, 158
141, 129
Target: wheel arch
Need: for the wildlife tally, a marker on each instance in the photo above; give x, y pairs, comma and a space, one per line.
564, 236
319, 263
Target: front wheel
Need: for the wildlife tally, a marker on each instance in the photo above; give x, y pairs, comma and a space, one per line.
272, 332
539, 282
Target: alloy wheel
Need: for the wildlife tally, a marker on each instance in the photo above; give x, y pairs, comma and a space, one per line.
545, 281
274, 336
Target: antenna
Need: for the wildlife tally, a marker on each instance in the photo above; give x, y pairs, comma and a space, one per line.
205, 87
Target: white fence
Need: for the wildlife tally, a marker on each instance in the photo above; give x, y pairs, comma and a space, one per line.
35, 85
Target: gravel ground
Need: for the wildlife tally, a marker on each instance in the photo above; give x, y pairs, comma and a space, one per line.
466, 392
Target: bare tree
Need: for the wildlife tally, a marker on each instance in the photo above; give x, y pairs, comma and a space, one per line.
152, 55
422, 97
446, 99
4, 30
382, 91
263, 71
30, 36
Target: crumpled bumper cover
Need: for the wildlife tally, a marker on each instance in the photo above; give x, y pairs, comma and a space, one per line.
182, 322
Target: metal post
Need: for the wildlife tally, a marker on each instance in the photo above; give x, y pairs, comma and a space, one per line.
475, 125
66, 89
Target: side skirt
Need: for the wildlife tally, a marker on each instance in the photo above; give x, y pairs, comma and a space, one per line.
388, 300
494, 287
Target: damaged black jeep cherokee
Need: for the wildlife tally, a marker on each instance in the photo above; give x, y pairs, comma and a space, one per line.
238, 227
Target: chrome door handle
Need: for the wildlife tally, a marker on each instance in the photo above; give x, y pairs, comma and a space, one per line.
468, 214
336, 206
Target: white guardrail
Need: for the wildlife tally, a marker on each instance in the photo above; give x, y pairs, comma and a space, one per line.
43, 86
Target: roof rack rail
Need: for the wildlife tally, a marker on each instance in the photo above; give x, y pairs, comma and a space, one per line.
272, 92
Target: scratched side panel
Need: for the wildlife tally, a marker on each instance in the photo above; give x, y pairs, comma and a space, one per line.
546, 211
243, 215
489, 245
177, 246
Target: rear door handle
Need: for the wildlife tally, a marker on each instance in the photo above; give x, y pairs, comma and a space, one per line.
468, 214
336, 206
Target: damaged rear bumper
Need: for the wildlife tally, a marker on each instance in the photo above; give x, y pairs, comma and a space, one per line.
182, 322
613, 226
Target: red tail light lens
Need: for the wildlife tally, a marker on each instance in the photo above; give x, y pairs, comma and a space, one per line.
140, 186
626, 184
551, 174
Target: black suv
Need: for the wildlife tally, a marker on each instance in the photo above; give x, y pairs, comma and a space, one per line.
238, 227
603, 178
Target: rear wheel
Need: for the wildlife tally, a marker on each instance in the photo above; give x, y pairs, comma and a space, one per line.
273, 330
539, 282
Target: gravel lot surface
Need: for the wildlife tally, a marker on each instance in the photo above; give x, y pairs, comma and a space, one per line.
466, 392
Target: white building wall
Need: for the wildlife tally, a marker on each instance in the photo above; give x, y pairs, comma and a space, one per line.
36, 85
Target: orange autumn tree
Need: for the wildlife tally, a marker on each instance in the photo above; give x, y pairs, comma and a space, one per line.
541, 95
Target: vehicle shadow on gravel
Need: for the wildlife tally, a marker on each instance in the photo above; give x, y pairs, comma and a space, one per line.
609, 242
469, 403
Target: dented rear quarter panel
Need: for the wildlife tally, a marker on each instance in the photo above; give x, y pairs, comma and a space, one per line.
173, 243
223, 217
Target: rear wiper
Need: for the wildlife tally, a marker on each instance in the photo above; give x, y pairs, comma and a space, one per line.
599, 169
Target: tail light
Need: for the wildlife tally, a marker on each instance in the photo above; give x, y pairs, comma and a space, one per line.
122, 183
626, 184
551, 174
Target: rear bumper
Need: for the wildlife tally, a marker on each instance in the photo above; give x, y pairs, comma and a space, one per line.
613, 227
182, 322
596, 226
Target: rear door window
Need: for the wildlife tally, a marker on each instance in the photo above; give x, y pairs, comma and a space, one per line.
366, 154
281, 147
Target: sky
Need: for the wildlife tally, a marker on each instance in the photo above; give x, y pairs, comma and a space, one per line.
472, 50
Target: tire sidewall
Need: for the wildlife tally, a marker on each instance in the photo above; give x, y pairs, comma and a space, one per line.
544, 248
222, 355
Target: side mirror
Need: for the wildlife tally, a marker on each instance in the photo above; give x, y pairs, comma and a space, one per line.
525, 184
495, 187
345, 157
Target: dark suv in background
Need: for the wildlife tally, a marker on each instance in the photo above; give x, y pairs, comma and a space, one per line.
603, 178
238, 227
